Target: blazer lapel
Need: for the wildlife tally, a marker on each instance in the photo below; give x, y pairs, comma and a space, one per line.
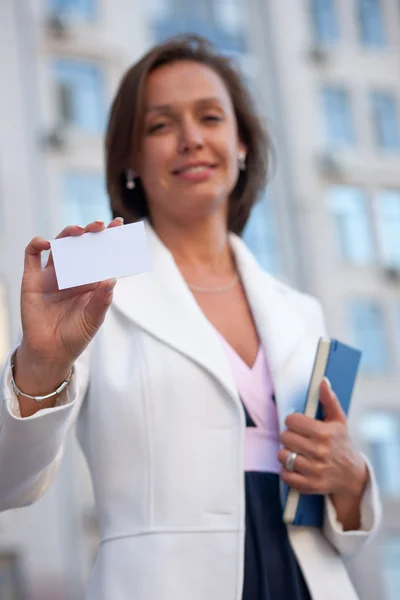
279, 319
161, 303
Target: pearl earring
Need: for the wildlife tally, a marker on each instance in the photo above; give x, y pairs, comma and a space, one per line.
130, 181
242, 161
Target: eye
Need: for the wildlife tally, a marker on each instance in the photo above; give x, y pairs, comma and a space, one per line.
156, 127
212, 118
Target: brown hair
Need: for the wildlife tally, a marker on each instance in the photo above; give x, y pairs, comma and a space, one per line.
126, 126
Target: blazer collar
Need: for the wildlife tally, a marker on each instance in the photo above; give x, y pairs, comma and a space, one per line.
161, 303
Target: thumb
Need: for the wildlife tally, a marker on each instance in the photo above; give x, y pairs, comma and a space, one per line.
331, 405
96, 308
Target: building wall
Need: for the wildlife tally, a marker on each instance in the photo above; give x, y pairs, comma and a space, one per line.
56, 539
52, 543
359, 70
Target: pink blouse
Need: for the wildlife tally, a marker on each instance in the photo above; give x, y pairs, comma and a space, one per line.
256, 391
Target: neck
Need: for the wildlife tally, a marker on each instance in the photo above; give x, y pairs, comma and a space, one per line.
198, 248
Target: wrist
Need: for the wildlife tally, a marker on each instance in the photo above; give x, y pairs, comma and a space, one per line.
356, 484
36, 376
360, 478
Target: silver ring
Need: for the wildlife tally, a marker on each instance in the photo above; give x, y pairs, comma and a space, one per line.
290, 461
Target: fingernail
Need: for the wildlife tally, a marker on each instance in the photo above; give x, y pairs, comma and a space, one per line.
328, 383
100, 222
119, 219
111, 285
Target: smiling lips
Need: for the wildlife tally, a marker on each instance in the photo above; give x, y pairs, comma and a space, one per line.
195, 172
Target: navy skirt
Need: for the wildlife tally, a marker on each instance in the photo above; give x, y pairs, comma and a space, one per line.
271, 571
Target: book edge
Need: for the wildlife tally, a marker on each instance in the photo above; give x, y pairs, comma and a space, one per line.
310, 410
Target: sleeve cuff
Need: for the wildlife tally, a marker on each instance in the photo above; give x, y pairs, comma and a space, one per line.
350, 542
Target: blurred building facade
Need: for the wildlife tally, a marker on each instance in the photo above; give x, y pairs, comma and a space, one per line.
326, 76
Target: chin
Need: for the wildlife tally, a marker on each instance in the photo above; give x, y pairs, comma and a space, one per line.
196, 207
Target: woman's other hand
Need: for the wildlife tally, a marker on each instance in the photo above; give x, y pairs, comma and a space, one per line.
327, 462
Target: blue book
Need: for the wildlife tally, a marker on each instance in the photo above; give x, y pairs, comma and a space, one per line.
339, 363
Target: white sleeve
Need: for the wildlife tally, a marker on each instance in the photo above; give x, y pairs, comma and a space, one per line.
31, 448
349, 543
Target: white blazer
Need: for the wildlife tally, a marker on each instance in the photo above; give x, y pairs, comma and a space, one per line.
162, 427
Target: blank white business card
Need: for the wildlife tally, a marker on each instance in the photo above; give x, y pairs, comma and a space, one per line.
92, 257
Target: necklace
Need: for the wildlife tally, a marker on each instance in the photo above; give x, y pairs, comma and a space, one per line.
223, 288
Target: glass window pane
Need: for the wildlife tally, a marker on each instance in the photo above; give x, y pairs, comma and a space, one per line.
324, 18
352, 226
398, 325
80, 94
390, 564
85, 199
73, 8
220, 21
369, 334
385, 120
387, 208
261, 236
381, 433
158, 10
338, 116
4, 341
229, 15
371, 22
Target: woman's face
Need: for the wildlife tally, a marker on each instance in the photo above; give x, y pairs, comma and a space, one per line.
188, 161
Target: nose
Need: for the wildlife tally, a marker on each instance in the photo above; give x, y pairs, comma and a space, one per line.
190, 137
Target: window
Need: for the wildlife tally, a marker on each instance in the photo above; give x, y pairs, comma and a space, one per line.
4, 342
79, 88
261, 236
324, 20
391, 571
85, 199
229, 16
221, 21
338, 118
381, 432
81, 9
397, 310
348, 207
159, 10
371, 23
369, 334
387, 207
385, 120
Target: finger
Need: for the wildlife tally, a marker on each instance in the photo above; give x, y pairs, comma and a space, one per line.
33, 251
69, 231
117, 222
78, 290
95, 227
303, 425
96, 308
330, 402
302, 465
298, 443
305, 484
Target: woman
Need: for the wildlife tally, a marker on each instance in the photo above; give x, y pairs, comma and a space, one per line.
182, 379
